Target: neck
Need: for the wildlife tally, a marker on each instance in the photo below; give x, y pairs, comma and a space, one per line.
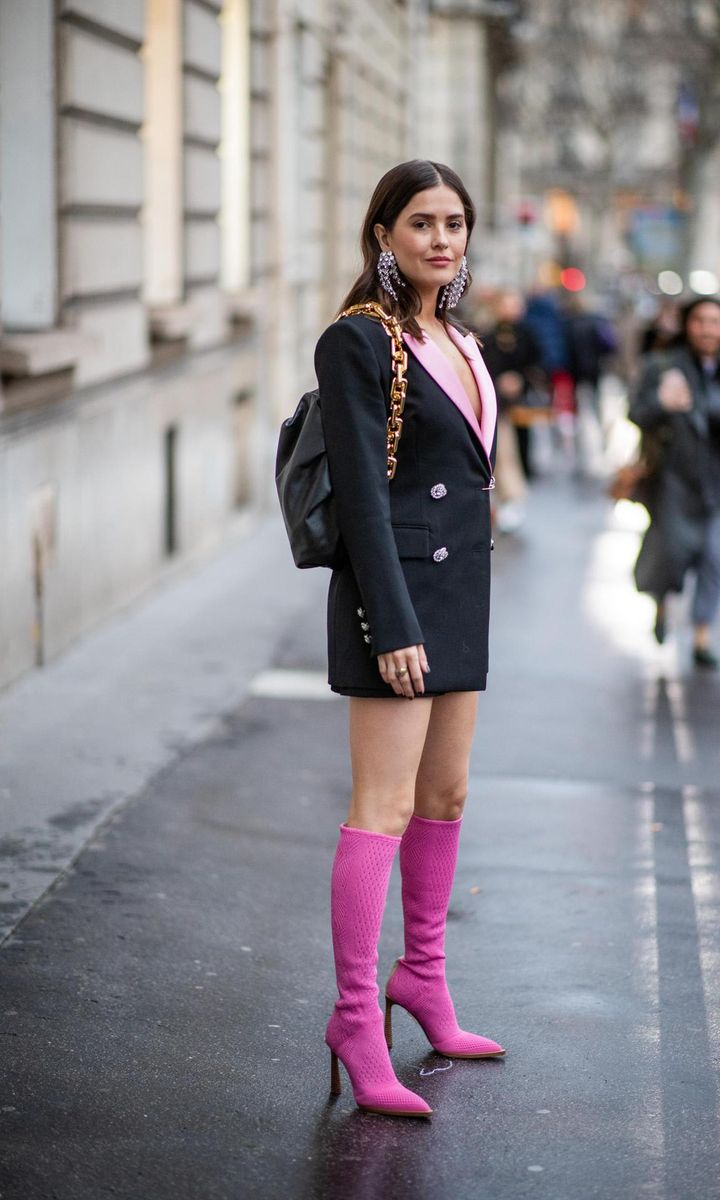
426, 316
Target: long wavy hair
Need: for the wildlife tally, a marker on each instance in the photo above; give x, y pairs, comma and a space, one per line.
392, 194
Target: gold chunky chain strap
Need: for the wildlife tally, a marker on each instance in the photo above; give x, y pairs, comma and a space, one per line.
398, 388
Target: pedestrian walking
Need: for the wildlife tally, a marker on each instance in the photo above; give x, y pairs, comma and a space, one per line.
512, 356
677, 405
407, 614
547, 323
591, 339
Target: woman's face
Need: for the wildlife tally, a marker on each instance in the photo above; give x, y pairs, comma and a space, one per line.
703, 329
428, 238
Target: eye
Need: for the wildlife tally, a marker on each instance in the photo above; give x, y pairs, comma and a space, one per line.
419, 224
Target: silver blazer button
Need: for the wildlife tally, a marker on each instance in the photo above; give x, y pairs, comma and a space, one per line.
438, 490
440, 554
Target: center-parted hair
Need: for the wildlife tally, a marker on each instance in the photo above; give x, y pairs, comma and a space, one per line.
392, 194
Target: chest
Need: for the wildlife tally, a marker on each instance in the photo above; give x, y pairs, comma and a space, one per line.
458, 364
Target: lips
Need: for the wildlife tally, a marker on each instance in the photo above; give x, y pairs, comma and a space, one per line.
440, 262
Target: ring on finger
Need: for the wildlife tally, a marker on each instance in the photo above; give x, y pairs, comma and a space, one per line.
400, 672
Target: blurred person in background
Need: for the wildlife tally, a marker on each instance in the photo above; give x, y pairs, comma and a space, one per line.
549, 327
512, 356
591, 340
677, 405
665, 329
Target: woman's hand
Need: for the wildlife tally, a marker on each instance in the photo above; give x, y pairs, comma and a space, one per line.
404, 670
674, 392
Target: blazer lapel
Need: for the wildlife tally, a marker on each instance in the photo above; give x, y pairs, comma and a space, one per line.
485, 385
440, 368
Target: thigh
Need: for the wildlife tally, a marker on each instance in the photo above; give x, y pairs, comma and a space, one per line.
386, 744
441, 783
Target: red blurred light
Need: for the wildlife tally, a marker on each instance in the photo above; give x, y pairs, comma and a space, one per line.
573, 279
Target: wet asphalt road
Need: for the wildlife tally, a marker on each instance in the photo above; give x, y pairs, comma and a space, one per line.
162, 1008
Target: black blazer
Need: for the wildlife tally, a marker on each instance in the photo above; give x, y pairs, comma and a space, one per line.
418, 547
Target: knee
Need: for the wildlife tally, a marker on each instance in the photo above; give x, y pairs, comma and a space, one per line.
387, 813
442, 804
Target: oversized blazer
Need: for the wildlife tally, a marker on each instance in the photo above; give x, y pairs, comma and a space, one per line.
418, 546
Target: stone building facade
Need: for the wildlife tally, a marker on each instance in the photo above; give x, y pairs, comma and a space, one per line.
181, 188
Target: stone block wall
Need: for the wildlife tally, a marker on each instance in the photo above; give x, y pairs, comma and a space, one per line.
100, 102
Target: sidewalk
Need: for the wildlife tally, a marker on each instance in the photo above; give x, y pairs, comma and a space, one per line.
163, 1006
84, 735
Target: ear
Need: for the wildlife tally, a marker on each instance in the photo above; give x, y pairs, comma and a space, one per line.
382, 236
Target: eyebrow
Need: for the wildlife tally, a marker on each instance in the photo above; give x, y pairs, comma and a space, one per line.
431, 216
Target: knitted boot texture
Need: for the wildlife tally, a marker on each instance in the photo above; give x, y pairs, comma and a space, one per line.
360, 877
428, 856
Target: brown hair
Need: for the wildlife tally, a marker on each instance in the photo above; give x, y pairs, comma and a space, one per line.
392, 194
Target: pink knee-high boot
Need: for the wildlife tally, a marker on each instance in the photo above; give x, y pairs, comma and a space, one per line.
360, 877
428, 854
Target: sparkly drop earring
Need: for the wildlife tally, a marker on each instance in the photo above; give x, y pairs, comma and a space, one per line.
388, 273
452, 292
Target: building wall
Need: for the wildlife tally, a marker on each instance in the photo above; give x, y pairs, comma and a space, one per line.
106, 425
143, 407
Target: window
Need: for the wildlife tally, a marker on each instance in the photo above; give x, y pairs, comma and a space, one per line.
235, 145
162, 137
28, 227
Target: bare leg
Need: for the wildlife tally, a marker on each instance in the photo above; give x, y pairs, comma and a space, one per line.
442, 779
386, 745
428, 853
386, 741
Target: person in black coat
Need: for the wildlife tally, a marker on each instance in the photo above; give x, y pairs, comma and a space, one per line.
407, 613
677, 405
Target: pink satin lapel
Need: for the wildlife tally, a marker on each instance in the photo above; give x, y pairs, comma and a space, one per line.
437, 365
485, 384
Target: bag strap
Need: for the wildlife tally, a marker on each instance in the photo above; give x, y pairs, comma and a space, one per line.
398, 387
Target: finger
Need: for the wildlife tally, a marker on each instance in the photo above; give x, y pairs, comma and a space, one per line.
424, 664
416, 676
397, 685
403, 680
413, 680
387, 671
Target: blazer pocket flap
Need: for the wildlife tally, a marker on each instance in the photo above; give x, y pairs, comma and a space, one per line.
412, 541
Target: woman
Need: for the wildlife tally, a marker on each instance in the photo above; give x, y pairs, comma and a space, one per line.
677, 405
407, 614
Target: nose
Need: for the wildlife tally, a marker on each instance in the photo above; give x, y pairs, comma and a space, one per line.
440, 240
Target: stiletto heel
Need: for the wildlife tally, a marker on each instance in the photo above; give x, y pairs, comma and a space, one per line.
335, 1084
388, 1022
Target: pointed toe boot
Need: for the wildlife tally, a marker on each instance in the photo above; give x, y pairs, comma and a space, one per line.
428, 855
361, 873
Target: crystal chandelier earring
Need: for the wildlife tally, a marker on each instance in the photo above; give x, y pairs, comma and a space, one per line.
388, 273
452, 292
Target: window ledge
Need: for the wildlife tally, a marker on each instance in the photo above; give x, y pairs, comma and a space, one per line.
171, 323
242, 307
31, 355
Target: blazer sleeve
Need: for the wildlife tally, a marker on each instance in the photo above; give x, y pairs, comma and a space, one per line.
354, 403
